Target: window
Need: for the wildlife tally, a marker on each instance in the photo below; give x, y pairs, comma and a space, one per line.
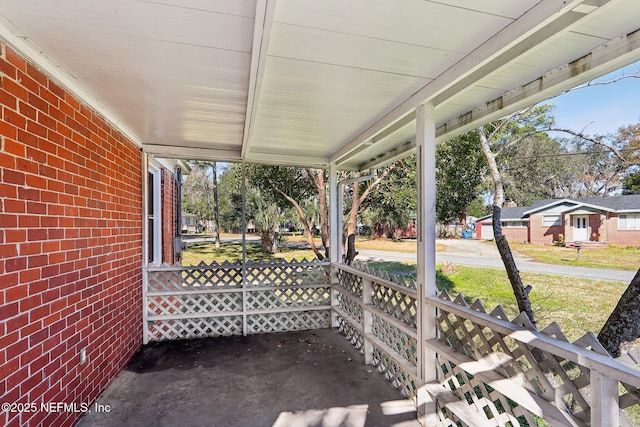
629, 222
508, 224
551, 220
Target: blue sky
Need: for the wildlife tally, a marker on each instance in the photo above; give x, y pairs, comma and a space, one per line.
602, 109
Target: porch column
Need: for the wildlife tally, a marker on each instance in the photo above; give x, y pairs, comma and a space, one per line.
334, 235
145, 245
426, 325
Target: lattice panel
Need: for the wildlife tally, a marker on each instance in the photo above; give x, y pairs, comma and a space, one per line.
165, 281
219, 277
284, 273
195, 328
292, 321
350, 282
204, 275
161, 305
491, 406
403, 343
399, 305
394, 373
292, 297
350, 307
559, 381
406, 280
353, 335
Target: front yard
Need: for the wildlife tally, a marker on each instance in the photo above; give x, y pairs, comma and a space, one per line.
622, 258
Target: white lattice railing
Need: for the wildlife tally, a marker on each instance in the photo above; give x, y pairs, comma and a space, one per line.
491, 370
378, 315
234, 299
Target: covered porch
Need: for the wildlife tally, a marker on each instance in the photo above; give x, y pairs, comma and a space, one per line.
93, 92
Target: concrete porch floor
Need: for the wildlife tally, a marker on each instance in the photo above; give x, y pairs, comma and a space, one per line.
306, 378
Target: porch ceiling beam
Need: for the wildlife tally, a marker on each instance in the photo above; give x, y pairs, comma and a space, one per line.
496, 52
286, 160
192, 153
606, 58
399, 152
265, 12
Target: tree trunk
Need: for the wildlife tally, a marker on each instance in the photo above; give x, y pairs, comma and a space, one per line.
317, 176
622, 328
519, 291
305, 223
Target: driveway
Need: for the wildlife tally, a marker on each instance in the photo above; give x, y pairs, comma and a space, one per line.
480, 254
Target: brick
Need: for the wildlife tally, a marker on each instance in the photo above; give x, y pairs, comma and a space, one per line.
13, 177
14, 147
15, 264
8, 221
14, 88
37, 75
8, 69
26, 165
56, 89
8, 129
16, 293
36, 181
36, 128
27, 138
27, 110
14, 350
36, 208
38, 261
29, 194
14, 206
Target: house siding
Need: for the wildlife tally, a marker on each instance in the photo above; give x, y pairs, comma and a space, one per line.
621, 237
70, 245
541, 234
516, 234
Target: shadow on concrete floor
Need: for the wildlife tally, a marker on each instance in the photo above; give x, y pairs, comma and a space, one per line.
306, 378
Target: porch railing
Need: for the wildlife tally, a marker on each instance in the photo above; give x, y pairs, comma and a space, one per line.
227, 298
491, 371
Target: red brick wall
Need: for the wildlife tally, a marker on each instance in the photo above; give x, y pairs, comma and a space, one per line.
70, 246
542, 234
596, 228
621, 237
169, 204
516, 234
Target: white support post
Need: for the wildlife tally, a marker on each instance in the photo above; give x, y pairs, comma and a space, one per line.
426, 325
145, 246
334, 237
244, 253
605, 405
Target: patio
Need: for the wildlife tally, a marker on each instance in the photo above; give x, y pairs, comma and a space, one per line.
304, 378
96, 96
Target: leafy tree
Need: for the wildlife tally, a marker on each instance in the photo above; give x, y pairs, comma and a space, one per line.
391, 201
460, 167
197, 193
298, 188
632, 183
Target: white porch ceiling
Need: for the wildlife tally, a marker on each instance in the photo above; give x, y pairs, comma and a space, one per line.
310, 82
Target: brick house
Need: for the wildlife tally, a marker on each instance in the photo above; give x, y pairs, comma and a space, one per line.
609, 220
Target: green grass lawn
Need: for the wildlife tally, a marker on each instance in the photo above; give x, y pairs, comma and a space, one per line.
577, 305
617, 257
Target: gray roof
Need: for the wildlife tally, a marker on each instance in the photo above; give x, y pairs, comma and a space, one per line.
612, 203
